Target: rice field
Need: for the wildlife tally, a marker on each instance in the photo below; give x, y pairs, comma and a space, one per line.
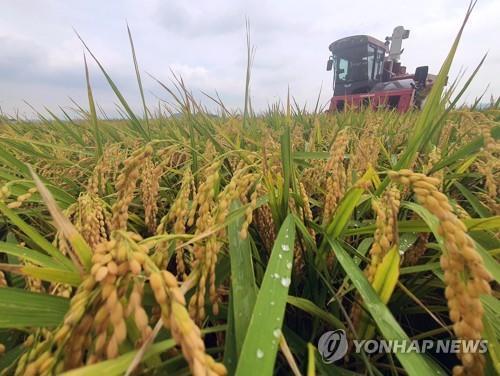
181, 242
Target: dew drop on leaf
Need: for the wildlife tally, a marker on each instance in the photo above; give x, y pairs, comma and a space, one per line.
260, 354
285, 281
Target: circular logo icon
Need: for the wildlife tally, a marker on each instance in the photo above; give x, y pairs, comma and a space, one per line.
333, 345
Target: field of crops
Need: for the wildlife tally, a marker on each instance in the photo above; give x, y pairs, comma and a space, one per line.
211, 245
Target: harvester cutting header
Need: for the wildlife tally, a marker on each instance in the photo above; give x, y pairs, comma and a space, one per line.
367, 72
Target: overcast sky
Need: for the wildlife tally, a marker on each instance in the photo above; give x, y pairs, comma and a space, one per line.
204, 41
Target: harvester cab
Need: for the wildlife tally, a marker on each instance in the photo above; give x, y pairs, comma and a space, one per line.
367, 72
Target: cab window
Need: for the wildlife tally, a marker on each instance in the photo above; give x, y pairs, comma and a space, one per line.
342, 69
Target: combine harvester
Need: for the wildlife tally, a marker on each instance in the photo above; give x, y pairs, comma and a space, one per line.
367, 72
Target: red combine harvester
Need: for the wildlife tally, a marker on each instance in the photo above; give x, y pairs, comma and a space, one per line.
367, 72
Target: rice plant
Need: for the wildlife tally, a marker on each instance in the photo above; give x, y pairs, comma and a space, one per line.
228, 244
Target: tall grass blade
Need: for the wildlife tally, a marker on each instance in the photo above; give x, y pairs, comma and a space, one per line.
139, 82
93, 115
133, 119
24, 309
261, 342
243, 286
35, 236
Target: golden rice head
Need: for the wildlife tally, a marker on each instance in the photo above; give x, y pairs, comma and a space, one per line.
212, 215
209, 153
488, 164
432, 159
298, 141
336, 174
46, 354
178, 215
61, 289
365, 153
306, 209
21, 199
445, 137
91, 219
125, 187
249, 213
136, 311
104, 170
266, 228
465, 276
150, 185
112, 262
205, 251
314, 178
184, 331
4, 193
204, 195
386, 236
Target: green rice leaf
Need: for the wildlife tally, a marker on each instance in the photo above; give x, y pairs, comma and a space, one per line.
35, 236
93, 114
311, 308
243, 286
23, 309
28, 254
262, 339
